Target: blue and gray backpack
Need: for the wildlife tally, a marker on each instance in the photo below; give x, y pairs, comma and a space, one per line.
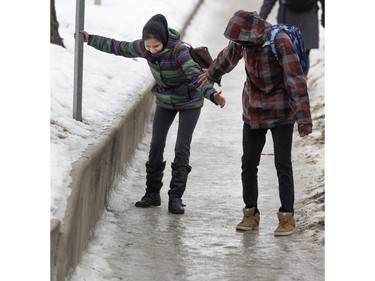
297, 39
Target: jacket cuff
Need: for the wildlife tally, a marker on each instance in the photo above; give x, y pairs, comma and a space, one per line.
213, 80
90, 39
305, 128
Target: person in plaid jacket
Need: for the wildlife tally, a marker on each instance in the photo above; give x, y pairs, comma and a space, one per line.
274, 97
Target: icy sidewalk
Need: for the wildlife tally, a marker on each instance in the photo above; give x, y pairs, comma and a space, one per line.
151, 244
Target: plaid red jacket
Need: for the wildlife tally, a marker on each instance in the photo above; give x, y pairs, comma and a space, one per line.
275, 91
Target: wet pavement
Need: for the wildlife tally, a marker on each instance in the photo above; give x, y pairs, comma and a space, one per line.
151, 244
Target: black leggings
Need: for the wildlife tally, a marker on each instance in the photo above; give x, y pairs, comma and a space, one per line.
162, 122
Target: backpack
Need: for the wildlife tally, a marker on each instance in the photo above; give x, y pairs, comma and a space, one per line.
300, 5
297, 39
200, 55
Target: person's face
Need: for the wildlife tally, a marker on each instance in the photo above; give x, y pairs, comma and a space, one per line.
153, 45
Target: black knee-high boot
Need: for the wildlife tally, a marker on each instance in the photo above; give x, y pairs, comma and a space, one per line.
154, 177
177, 188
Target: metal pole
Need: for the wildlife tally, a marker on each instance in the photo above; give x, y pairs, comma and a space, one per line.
78, 61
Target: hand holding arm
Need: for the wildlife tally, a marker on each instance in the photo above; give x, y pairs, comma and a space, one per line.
216, 97
204, 79
203, 76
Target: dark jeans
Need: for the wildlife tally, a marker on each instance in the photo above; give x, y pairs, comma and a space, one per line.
162, 122
253, 142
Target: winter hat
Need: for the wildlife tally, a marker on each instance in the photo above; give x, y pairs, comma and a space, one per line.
158, 23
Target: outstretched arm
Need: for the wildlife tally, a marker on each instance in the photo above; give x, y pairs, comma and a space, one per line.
225, 62
112, 46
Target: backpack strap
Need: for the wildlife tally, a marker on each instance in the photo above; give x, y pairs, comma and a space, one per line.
178, 46
271, 41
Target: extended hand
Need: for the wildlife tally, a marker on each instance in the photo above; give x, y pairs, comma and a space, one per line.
219, 100
85, 36
303, 134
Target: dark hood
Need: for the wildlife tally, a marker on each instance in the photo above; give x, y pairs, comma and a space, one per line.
158, 23
247, 27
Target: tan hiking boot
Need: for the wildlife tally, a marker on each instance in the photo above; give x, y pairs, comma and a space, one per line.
249, 221
286, 224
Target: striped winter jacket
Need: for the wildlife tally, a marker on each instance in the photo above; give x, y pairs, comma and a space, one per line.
174, 70
275, 92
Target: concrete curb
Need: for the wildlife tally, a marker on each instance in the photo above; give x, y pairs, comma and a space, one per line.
55, 232
93, 176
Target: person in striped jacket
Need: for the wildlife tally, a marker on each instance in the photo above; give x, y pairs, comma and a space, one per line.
177, 91
274, 97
